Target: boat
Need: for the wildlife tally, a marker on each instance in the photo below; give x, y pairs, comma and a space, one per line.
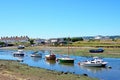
66, 59
36, 54
18, 53
96, 50
95, 62
21, 47
50, 57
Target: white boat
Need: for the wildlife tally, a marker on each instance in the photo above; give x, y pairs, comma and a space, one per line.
95, 62
18, 53
21, 47
36, 54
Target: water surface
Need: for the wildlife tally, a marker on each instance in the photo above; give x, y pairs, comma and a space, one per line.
41, 62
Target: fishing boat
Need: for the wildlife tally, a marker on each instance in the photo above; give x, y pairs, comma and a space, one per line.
95, 62
18, 53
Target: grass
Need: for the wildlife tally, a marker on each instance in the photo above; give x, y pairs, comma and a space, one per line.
78, 51
24, 72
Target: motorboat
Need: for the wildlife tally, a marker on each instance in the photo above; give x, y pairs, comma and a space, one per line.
95, 62
18, 53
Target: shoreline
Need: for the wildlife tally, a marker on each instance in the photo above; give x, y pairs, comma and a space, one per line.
76, 51
12, 70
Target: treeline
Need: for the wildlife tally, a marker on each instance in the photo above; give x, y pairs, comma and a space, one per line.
73, 39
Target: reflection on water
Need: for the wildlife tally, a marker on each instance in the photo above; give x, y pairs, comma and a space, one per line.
93, 69
101, 73
67, 64
50, 62
36, 59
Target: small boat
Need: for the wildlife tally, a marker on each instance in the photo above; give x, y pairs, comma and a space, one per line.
95, 62
18, 53
21, 47
66, 60
50, 57
36, 54
96, 50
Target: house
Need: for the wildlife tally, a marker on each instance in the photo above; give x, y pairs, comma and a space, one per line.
56, 41
99, 37
13, 39
39, 41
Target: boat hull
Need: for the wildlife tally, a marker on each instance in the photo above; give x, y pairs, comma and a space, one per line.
50, 57
94, 65
96, 51
36, 55
18, 55
66, 60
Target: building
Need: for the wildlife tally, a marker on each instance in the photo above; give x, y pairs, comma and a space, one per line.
39, 41
13, 39
57, 41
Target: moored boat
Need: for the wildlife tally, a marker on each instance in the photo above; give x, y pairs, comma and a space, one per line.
96, 50
36, 54
19, 53
50, 57
95, 62
66, 60
21, 47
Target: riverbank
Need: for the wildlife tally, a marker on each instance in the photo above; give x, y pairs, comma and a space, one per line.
77, 51
12, 70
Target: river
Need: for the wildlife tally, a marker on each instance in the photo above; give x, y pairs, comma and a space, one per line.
41, 62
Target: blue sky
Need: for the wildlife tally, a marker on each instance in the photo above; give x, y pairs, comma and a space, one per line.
59, 18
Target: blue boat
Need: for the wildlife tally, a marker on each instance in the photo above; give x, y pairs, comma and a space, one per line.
96, 50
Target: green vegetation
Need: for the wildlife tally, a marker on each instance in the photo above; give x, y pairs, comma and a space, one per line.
96, 44
31, 41
79, 51
23, 72
76, 39
2, 44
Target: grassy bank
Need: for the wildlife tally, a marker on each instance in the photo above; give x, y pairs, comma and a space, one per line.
80, 51
77, 51
11, 70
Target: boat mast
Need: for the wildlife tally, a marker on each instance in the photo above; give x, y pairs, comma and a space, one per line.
68, 45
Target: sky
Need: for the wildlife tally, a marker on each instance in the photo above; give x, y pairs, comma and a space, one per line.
59, 18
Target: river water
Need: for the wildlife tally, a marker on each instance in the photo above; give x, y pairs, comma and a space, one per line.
41, 62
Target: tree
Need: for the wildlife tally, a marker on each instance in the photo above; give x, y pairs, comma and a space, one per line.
2, 44
31, 41
76, 39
